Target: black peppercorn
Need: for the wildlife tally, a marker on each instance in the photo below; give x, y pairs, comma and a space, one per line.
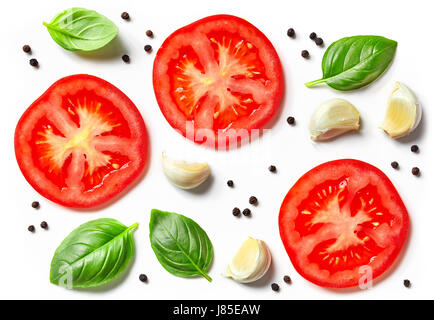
287, 279
148, 48
125, 15
319, 41
394, 165
26, 48
143, 277
35, 204
415, 171
44, 225
305, 54
291, 33
31, 228
149, 33
275, 287
312, 36
407, 283
272, 168
126, 58
414, 148
290, 120
253, 200
236, 212
34, 62
247, 212
230, 183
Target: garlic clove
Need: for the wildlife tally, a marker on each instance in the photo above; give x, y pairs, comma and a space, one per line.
403, 112
250, 263
183, 174
332, 118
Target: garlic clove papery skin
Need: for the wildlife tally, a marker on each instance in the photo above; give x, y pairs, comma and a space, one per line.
403, 113
183, 174
333, 118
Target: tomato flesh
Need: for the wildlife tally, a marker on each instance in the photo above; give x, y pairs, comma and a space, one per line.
82, 142
217, 74
339, 217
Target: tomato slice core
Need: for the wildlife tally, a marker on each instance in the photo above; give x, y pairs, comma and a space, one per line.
219, 73
80, 145
341, 216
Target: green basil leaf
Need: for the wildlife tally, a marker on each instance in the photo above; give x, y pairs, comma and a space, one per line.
354, 62
81, 29
95, 253
180, 244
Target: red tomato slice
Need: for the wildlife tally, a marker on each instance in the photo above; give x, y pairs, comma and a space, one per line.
217, 79
339, 217
82, 142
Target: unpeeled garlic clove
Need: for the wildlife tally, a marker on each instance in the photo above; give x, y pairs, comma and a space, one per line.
403, 112
183, 174
250, 263
332, 118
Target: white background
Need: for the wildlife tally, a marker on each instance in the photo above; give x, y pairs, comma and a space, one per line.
25, 257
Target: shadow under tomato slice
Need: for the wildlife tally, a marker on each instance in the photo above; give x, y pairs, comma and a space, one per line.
82, 142
339, 217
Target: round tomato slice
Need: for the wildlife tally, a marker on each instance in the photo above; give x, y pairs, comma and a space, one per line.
342, 220
217, 79
82, 142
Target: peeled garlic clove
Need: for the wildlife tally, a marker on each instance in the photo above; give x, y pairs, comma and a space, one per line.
403, 112
183, 174
332, 118
250, 263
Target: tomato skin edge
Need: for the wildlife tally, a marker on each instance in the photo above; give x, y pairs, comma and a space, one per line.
120, 188
271, 112
377, 272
